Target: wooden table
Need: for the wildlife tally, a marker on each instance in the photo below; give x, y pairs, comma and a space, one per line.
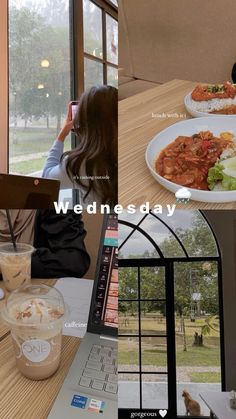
218, 403
21, 398
137, 126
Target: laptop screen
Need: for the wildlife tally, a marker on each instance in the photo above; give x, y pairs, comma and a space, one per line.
26, 192
104, 306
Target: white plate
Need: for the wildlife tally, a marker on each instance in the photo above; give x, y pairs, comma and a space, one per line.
197, 114
189, 127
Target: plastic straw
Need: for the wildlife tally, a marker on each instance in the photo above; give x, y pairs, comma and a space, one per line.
11, 230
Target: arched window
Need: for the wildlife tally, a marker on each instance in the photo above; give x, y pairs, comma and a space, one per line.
170, 311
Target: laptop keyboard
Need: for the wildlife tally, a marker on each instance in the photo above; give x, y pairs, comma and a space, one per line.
100, 372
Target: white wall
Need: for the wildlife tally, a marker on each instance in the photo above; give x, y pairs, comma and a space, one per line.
224, 226
3, 86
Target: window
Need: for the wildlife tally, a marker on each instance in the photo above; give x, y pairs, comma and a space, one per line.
39, 80
44, 76
170, 311
100, 34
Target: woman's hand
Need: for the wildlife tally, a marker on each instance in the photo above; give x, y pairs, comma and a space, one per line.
68, 125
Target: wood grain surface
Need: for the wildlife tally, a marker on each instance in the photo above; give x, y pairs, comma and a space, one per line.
21, 398
137, 126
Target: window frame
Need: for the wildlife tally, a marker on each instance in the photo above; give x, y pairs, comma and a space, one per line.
78, 53
77, 63
169, 264
107, 8
4, 77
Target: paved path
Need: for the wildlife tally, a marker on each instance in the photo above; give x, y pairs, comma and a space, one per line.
155, 395
28, 157
183, 373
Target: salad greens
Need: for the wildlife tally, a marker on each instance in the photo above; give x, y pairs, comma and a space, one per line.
216, 175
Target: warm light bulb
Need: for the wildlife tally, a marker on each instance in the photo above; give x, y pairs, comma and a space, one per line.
59, 93
40, 86
47, 95
45, 63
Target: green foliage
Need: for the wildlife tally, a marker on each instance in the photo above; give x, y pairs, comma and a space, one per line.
211, 324
190, 278
31, 40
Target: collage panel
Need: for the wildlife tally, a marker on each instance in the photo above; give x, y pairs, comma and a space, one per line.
59, 311
175, 328
60, 93
176, 116
117, 209
58, 157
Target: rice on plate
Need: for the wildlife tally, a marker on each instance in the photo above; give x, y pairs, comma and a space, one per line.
212, 99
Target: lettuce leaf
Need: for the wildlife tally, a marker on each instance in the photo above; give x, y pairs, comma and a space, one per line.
216, 174
229, 183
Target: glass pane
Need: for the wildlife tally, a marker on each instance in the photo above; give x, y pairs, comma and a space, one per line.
154, 354
153, 318
197, 330
162, 236
115, 2
131, 218
93, 73
128, 391
128, 318
128, 357
39, 80
154, 391
152, 282
124, 231
112, 40
128, 283
137, 247
194, 232
112, 76
92, 29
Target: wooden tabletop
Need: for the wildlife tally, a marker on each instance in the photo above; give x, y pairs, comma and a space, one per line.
21, 398
138, 124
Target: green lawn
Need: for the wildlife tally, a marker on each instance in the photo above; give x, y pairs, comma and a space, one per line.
27, 167
32, 141
154, 349
205, 377
193, 357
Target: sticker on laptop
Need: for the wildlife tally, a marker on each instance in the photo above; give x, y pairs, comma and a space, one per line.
96, 406
79, 401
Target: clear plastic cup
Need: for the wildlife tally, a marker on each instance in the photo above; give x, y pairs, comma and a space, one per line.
15, 265
35, 315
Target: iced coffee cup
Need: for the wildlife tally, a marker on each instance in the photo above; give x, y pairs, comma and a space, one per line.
15, 265
35, 315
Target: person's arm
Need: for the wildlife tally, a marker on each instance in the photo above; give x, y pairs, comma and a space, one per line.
54, 168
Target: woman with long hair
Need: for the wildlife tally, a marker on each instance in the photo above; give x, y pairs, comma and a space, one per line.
91, 167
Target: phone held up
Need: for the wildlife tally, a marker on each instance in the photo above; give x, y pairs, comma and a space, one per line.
74, 109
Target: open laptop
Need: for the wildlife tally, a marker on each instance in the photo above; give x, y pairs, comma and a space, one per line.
27, 192
91, 384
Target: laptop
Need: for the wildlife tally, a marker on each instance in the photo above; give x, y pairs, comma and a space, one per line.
91, 384
27, 192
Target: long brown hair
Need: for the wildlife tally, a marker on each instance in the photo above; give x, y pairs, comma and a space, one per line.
96, 124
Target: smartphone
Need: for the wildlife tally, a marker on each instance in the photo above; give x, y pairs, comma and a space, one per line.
74, 107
